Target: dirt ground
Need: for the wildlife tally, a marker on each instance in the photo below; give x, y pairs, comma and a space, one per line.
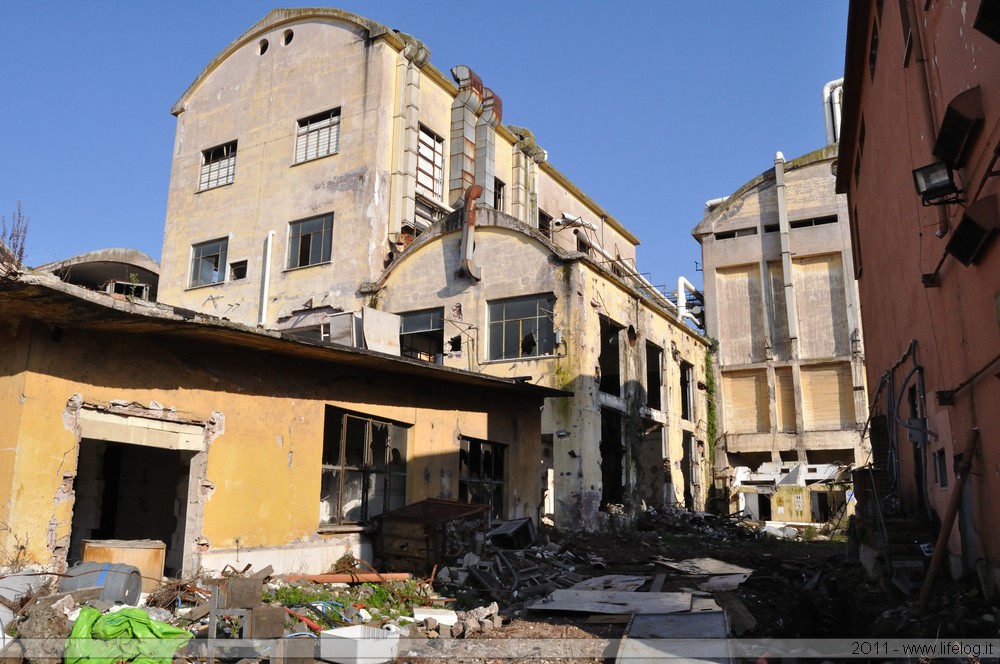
799, 589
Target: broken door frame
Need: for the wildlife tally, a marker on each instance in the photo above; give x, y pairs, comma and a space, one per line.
162, 429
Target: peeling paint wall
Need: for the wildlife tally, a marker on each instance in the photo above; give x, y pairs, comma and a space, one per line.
13, 361
370, 186
257, 100
248, 491
515, 263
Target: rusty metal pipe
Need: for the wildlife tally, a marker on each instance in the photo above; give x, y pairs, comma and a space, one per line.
351, 577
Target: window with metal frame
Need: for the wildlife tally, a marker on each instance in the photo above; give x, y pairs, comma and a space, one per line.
430, 163
421, 334
482, 476
208, 262
499, 195
363, 467
318, 136
544, 223
310, 241
521, 327
218, 166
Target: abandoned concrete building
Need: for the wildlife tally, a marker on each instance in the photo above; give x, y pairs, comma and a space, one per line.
130, 420
783, 304
123, 273
920, 166
329, 182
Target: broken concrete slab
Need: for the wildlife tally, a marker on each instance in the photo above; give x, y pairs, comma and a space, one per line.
692, 637
706, 566
609, 601
442, 616
622, 582
723, 582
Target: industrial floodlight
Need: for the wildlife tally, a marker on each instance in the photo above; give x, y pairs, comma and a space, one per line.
935, 184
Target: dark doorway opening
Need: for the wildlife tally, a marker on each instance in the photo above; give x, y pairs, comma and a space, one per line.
131, 492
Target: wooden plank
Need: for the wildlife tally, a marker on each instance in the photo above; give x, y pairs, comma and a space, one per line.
600, 601
740, 619
658, 582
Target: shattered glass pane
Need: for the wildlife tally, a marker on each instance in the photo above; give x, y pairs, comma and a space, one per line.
379, 445
356, 438
329, 495
353, 506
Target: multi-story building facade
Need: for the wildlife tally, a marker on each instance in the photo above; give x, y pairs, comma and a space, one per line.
322, 167
919, 165
783, 304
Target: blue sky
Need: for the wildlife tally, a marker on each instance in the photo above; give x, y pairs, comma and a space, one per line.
650, 107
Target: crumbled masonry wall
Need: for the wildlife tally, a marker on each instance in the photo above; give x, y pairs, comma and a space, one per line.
515, 263
261, 481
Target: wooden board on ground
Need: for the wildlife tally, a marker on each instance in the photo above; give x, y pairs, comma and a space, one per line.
609, 619
740, 618
609, 601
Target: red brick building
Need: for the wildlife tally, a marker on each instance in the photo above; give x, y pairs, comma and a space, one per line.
922, 89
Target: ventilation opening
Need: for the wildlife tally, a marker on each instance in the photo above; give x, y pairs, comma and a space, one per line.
262, 47
815, 221
286, 38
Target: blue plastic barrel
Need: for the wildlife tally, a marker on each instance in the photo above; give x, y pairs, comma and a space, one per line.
118, 582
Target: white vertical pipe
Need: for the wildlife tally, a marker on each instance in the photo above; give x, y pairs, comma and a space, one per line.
265, 279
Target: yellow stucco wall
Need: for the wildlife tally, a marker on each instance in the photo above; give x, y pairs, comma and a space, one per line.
12, 363
262, 481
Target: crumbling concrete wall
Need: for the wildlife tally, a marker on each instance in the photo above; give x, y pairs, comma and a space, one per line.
256, 484
514, 262
257, 99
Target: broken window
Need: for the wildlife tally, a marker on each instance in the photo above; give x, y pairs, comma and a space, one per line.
654, 373
421, 334
310, 241
521, 327
687, 391
482, 474
544, 223
218, 166
499, 195
610, 360
430, 163
426, 212
364, 467
208, 262
237, 270
318, 136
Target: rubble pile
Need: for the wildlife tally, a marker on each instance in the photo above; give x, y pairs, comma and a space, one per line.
711, 527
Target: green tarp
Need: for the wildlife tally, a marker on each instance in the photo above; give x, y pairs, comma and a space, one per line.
128, 635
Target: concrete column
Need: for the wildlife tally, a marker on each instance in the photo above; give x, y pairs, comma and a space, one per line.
786, 256
464, 111
406, 126
527, 155
486, 138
